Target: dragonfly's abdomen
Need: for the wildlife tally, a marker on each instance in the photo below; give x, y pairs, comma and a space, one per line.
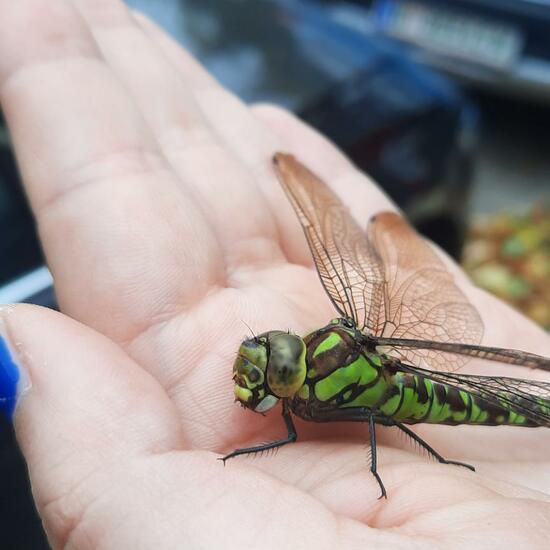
419, 399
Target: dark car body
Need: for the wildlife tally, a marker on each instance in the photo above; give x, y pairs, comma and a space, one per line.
499, 45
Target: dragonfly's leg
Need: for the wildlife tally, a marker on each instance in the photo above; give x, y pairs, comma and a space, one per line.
430, 450
372, 433
290, 438
362, 414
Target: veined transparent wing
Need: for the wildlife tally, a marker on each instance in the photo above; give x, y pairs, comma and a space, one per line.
348, 265
422, 300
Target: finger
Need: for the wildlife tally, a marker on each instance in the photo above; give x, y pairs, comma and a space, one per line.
273, 128
229, 117
238, 132
126, 246
88, 414
222, 184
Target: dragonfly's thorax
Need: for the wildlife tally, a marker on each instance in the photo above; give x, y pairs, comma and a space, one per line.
269, 367
339, 366
331, 347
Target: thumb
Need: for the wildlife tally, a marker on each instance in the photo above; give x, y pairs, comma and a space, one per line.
84, 409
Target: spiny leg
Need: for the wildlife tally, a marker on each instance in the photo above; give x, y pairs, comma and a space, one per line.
290, 438
429, 449
360, 414
372, 434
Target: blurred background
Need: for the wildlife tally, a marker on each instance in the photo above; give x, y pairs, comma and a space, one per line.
445, 103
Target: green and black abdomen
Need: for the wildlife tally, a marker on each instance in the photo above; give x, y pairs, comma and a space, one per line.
419, 399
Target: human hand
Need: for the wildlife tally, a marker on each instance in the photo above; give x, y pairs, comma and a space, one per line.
166, 231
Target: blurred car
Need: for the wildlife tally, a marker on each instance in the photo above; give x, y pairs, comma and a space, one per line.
501, 45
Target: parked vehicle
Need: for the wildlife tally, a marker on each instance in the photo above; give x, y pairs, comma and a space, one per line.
499, 45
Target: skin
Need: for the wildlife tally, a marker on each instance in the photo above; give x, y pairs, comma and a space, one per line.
166, 230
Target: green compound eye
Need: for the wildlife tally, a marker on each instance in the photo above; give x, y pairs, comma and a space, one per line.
286, 367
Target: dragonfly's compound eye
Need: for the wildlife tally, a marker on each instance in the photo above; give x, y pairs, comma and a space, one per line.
286, 368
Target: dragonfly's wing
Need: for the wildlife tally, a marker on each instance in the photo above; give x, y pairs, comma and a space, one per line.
423, 301
502, 355
530, 398
348, 265
390, 282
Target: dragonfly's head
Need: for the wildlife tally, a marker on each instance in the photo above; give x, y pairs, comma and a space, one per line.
268, 367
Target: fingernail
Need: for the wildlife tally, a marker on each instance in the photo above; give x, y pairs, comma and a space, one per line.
13, 378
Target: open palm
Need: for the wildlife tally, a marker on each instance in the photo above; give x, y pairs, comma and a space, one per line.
166, 232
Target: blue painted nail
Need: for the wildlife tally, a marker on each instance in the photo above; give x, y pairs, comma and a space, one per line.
9, 378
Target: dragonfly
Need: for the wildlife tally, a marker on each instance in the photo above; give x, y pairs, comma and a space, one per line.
392, 356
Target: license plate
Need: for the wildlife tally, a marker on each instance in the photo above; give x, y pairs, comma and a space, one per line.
462, 36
